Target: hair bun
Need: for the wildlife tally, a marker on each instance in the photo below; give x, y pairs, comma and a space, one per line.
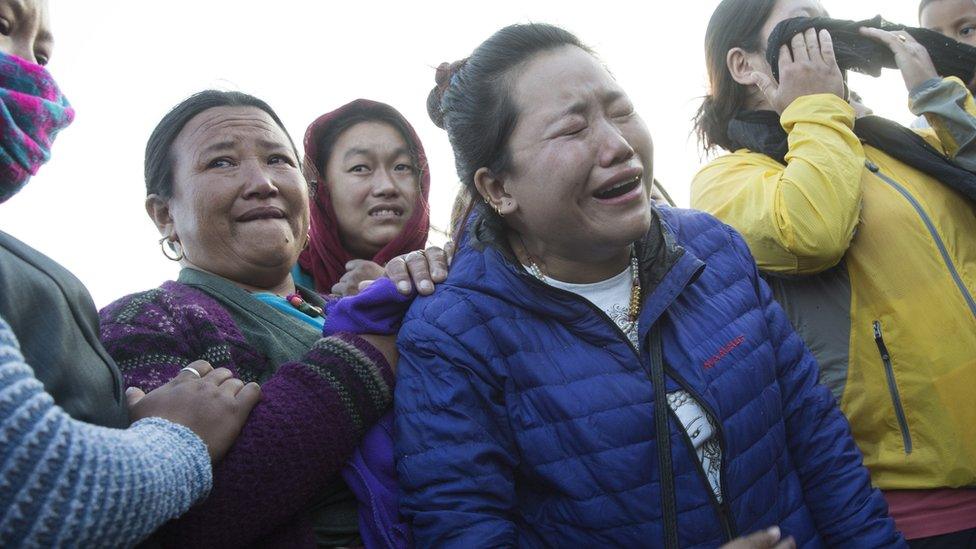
442, 78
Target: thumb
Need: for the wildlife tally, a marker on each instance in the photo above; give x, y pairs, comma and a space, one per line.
133, 395
765, 83
365, 284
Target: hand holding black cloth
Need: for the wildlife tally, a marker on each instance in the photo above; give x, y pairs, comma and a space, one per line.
862, 54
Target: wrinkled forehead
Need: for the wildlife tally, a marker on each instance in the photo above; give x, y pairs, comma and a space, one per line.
555, 80
228, 124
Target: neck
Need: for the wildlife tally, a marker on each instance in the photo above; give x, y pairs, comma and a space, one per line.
274, 283
595, 267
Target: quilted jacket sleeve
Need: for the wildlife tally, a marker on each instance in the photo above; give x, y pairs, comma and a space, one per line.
798, 218
455, 454
847, 510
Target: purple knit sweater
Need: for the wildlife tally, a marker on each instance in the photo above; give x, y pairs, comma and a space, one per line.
311, 417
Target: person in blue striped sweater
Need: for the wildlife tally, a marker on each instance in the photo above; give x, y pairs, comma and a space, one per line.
81, 463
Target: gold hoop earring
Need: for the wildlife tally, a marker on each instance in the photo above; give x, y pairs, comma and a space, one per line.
173, 246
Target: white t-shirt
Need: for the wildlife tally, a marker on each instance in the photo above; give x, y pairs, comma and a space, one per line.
612, 296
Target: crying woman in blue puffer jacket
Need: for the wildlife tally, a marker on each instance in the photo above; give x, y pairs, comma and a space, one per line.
595, 371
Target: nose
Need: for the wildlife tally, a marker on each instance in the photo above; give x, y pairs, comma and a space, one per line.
614, 147
384, 184
258, 182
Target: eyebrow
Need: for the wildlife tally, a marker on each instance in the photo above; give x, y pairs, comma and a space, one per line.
268, 144
230, 144
580, 107
218, 146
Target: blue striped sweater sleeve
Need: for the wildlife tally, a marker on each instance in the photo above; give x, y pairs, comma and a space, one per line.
65, 483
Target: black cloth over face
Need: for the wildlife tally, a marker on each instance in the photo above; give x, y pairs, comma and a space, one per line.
862, 54
761, 132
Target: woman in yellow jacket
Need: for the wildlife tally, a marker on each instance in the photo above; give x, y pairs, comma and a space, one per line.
871, 251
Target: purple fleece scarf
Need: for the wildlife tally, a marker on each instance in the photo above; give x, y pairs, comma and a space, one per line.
371, 472
32, 112
378, 309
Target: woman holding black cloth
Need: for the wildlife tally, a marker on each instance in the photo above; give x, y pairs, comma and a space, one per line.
865, 232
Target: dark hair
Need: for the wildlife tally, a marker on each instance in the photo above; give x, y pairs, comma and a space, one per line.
376, 112
734, 24
159, 157
473, 102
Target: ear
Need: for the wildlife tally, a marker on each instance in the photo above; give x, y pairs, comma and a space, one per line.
158, 210
741, 65
492, 190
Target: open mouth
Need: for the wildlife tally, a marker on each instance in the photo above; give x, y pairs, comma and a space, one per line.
386, 211
618, 189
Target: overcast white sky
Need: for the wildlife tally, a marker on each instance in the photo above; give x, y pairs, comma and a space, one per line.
123, 64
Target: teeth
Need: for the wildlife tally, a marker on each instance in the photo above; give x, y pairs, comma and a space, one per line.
385, 213
621, 184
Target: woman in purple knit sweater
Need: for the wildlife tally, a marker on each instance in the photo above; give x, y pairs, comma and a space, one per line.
225, 191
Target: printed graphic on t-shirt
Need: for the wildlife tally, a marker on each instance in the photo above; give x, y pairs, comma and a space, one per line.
620, 314
702, 433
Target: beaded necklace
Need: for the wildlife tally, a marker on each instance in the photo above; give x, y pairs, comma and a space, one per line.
299, 303
635, 290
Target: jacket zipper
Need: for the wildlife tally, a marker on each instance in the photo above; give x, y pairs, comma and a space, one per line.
873, 168
722, 508
906, 436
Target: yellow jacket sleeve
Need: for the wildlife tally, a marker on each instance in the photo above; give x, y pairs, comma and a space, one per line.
798, 218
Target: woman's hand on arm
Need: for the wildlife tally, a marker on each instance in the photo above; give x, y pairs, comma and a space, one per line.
420, 270
212, 403
810, 69
359, 272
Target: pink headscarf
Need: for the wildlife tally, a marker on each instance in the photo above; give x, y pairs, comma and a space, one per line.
325, 257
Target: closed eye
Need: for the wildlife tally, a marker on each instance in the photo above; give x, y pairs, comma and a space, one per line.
576, 130
623, 113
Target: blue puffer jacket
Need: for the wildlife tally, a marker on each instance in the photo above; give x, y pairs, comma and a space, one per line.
524, 418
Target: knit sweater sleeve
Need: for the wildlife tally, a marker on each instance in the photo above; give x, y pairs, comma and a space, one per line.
64, 482
312, 415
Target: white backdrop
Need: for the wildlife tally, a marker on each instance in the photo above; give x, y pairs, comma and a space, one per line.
123, 64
